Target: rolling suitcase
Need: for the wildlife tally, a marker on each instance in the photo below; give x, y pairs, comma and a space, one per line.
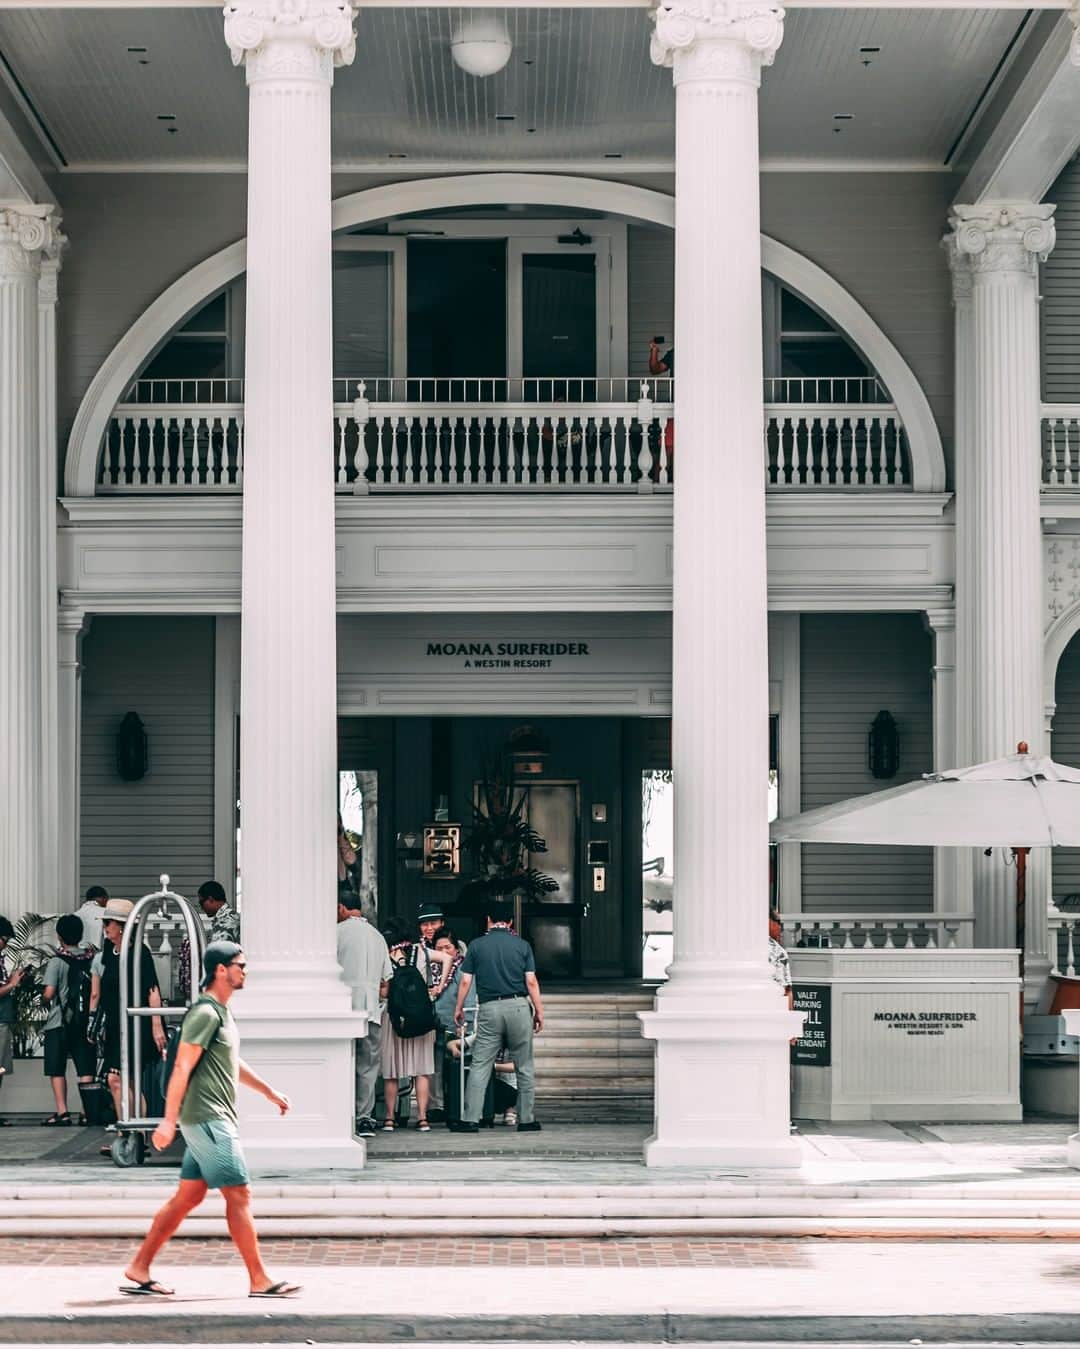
455, 1080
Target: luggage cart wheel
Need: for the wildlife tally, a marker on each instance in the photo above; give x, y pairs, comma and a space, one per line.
128, 1150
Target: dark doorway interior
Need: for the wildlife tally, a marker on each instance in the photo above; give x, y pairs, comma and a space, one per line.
457, 307
559, 315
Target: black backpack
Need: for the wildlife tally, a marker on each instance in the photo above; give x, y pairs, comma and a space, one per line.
172, 1043
408, 1005
75, 1004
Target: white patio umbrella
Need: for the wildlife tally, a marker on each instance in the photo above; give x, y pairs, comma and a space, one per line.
1020, 802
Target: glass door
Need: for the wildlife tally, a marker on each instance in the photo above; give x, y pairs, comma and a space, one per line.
552, 925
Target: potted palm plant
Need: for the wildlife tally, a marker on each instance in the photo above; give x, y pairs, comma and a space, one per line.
501, 842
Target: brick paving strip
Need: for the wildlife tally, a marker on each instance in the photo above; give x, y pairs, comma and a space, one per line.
456, 1252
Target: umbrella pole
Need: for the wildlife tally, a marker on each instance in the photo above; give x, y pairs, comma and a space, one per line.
1021, 855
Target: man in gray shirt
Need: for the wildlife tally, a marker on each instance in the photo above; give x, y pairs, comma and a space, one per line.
510, 1013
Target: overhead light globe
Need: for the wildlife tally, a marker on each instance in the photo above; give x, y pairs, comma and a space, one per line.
481, 46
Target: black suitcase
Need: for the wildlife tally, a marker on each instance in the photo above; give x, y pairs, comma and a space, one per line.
455, 1080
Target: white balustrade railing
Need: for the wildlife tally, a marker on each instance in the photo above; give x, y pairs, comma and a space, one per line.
457, 442
1064, 942
877, 932
1060, 445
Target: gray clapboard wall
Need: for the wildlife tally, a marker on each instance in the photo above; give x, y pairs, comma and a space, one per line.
854, 665
163, 669
1065, 746
1060, 310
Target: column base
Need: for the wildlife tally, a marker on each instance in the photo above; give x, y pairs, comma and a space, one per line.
723, 1086
310, 1060
1072, 1151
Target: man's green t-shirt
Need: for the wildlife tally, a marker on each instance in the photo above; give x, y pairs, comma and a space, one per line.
211, 1092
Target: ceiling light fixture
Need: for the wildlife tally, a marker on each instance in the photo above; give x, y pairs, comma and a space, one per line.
843, 116
505, 117
481, 46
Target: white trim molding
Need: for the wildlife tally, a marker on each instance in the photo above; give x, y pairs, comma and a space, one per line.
575, 193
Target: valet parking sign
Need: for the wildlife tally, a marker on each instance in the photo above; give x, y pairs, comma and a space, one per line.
507, 655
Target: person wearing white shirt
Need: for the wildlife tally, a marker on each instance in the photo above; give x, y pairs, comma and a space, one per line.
90, 913
365, 966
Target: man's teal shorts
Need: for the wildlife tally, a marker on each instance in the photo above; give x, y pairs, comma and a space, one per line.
212, 1154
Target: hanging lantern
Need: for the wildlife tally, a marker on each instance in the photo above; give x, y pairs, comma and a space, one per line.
132, 748
529, 750
883, 746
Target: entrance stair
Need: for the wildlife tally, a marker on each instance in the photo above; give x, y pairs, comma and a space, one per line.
691, 1209
592, 1064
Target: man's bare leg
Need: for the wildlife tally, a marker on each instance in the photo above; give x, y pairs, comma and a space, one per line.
189, 1195
245, 1238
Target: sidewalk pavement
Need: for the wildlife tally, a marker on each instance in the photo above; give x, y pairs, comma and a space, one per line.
859, 1153
545, 1291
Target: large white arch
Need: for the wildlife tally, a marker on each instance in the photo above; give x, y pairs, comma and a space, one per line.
1058, 636
486, 189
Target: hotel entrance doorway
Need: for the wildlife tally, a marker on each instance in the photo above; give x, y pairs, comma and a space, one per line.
402, 774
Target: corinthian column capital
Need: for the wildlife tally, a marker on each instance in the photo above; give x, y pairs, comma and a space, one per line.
290, 39
1003, 236
716, 39
26, 231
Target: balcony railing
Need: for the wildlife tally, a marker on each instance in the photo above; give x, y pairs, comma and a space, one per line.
877, 932
465, 435
1060, 445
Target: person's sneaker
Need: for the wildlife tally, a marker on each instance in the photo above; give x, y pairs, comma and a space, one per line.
366, 1127
464, 1126
510, 1118
533, 1127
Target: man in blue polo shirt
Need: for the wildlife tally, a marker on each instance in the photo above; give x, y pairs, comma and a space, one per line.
510, 1013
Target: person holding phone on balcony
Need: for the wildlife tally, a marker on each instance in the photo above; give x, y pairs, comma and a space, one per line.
664, 365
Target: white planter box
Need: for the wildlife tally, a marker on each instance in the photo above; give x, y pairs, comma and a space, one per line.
908, 1035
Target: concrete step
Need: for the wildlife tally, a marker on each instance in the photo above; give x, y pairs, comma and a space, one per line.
525, 1213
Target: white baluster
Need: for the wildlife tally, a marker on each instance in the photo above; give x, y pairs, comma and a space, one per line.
1070, 953
341, 426
389, 424
240, 449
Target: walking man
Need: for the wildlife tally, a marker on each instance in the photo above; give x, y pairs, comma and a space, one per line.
510, 1013
202, 1096
365, 966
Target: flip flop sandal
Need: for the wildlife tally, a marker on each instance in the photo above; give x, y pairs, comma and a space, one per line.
151, 1288
281, 1289
57, 1121
423, 1126
388, 1128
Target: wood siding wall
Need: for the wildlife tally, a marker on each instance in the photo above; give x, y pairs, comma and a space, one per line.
1065, 746
163, 669
1060, 283
854, 665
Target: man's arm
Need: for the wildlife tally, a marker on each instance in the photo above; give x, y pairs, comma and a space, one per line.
13, 983
187, 1058
532, 987
252, 1079
463, 992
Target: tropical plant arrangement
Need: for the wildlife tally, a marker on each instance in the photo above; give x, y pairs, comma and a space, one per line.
500, 841
29, 951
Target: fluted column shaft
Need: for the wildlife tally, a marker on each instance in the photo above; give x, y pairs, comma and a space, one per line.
288, 689
720, 681
25, 231
720, 1024
996, 250
296, 1014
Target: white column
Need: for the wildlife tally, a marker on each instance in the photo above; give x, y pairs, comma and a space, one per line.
25, 231
52, 823
952, 866
295, 1018
72, 625
996, 249
720, 1024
